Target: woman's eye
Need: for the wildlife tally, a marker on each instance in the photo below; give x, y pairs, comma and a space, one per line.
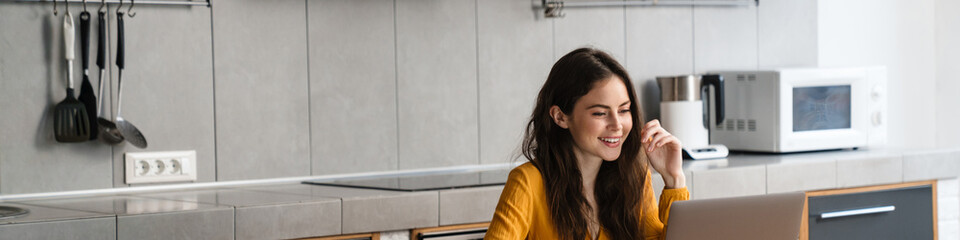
625, 111
599, 114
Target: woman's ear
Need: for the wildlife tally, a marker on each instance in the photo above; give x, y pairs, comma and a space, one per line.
558, 117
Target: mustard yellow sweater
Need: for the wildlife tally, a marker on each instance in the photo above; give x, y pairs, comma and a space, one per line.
523, 212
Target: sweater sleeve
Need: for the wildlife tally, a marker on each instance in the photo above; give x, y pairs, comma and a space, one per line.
513, 216
654, 219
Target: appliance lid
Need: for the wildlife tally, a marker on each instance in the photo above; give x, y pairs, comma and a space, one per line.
679, 88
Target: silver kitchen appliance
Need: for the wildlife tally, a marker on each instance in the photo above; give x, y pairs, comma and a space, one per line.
682, 113
803, 109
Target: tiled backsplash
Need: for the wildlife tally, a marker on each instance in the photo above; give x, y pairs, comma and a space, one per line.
266, 89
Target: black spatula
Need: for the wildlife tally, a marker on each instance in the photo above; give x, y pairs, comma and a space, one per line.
86, 89
70, 121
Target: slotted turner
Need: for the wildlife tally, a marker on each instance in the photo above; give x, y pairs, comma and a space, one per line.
70, 121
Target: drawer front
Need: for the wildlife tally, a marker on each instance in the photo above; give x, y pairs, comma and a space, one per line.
903, 213
464, 234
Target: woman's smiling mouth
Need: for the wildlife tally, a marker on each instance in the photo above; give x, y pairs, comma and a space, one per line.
610, 141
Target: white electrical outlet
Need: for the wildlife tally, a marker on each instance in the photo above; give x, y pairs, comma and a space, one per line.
155, 167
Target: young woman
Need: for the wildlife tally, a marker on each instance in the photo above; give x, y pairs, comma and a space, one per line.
588, 175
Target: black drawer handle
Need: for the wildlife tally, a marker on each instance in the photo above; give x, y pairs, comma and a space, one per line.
856, 212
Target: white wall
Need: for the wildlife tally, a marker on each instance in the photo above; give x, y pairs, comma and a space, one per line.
900, 35
948, 61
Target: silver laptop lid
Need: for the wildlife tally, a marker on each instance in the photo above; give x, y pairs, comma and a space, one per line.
768, 217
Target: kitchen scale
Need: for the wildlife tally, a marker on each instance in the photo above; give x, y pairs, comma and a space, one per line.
713, 151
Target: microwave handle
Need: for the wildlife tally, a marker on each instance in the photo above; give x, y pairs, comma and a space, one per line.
717, 81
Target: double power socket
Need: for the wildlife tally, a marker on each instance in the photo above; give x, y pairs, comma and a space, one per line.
158, 167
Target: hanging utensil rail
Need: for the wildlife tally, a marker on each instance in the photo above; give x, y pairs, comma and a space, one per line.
554, 8
656, 3
147, 2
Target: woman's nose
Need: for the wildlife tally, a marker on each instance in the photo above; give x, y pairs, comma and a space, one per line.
614, 122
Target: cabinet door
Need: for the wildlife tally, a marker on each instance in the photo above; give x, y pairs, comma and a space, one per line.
901, 213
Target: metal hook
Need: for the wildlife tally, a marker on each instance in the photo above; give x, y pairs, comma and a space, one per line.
553, 9
84, 5
103, 3
119, 6
130, 10
55, 7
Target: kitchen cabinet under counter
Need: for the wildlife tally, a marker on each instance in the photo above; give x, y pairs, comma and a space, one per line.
895, 211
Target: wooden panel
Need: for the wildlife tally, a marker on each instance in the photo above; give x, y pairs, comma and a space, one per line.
416, 232
372, 236
804, 223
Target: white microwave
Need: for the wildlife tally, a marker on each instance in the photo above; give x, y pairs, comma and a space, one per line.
803, 109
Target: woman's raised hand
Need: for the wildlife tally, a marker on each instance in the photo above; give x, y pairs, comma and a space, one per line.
664, 152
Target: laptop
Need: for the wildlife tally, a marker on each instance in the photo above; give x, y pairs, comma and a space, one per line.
768, 217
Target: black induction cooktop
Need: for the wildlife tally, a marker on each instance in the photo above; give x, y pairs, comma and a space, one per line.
424, 182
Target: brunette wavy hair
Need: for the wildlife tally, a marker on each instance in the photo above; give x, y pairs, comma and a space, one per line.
619, 184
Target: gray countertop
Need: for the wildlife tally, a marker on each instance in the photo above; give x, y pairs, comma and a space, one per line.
296, 210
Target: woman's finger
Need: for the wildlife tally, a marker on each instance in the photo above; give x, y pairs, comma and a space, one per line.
659, 139
649, 130
647, 134
651, 123
667, 140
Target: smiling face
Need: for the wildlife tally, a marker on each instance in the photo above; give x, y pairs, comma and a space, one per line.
600, 120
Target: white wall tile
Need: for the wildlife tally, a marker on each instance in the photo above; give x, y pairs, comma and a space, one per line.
899, 35
787, 31
600, 28
948, 230
353, 86
168, 85
263, 125
32, 81
948, 187
724, 38
948, 208
515, 47
947, 58
659, 43
437, 83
